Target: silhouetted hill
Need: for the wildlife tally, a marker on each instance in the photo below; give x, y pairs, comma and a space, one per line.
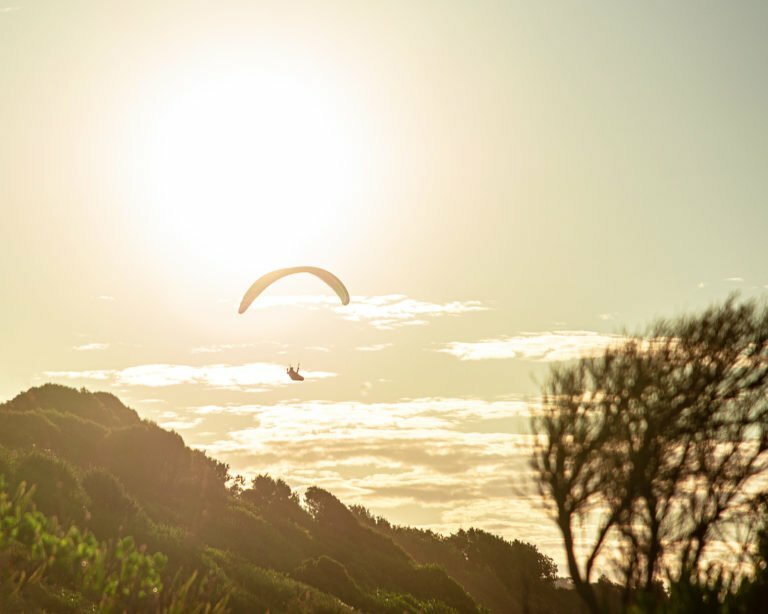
100, 407
111, 476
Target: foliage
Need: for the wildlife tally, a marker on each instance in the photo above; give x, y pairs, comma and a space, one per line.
59, 492
327, 509
501, 575
275, 500
128, 490
659, 439
270, 590
518, 558
266, 490
40, 557
332, 577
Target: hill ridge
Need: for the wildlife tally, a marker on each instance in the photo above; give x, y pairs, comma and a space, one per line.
96, 464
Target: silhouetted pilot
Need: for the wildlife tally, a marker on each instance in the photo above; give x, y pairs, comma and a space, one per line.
294, 374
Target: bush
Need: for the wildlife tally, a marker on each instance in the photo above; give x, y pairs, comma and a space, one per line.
42, 563
332, 577
58, 490
112, 509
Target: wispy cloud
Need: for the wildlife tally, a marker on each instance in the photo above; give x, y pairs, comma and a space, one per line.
543, 346
220, 347
737, 280
384, 312
9, 9
81, 375
606, 316
357, 413
376, 347
180, 425
318, 348
250, 376
437, 455
90, 347
396, 310
400, 448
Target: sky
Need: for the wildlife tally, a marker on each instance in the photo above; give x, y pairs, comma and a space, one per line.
502, 186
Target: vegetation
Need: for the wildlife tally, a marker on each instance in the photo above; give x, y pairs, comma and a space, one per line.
503, 575
43, 565
662, 441
89, 523
659, 444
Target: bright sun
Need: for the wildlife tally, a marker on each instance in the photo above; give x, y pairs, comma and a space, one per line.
253, 166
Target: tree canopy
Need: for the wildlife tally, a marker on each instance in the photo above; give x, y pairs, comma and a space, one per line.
657, 446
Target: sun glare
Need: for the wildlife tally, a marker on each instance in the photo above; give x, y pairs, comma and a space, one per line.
253, 166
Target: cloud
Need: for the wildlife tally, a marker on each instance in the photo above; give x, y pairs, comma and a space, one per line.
318, 348
9, 9
384, 312
180, 425
734, 279
606, 316
357, 413
440, 463
402, 447
105, 297
396, 310
376, 347
89, 347
250, 376
80, 375
542, 347
216, 348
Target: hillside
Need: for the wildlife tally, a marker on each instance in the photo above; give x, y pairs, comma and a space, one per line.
194, 538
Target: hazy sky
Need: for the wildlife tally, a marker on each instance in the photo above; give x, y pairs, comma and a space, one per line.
501, 185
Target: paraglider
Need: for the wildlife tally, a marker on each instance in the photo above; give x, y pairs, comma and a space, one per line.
294, 374
263, 282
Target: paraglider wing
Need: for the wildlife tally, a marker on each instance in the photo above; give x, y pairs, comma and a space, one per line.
263, 282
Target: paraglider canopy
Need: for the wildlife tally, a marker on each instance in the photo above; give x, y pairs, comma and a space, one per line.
263, 282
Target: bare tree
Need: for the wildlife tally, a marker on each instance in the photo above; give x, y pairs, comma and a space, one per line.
655, 447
